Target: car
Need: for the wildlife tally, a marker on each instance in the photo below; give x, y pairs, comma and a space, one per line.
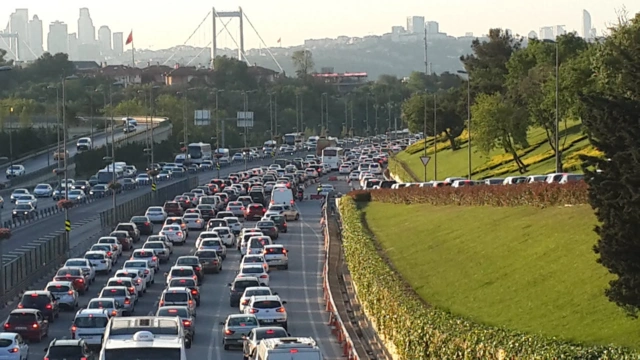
280, 221
226, 236
194, 221
97, 191
41, 300
131, 228
84, 144
43, 190
123, 238
183, 312
17, 193
206, 211
214, 244
159, 248
180, 272
82, 185
235, 328
77, 196
144, 224
194, 263
189, 283
90, 325
173, 208
255, 259
69, 349
236, 208
268, 228
28, 323
143, 179
234, 224
23, 211
256, 335
85, 265
253, 291
254, 270
256, 244
100, 260
122, 295
163, 239
254, 212
268, 309
149, 256
15, 171
289, 211
156, 214
75, 276
145, 271
107, 249
178, 296
174, 220
136, 274
112, 306
64, 293
126, 282
237, 287
174, 233
13, 346
115, 244
209, 260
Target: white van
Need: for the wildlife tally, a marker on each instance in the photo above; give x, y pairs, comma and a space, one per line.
281, 195
302, 348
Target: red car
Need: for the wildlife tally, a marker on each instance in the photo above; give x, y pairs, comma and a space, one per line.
254, 211
30, 323
173, 208
75, 276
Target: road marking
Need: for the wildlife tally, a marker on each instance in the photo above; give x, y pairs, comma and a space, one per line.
305, 285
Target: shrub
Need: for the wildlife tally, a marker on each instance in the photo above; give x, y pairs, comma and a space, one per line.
153, 173
536, 194
5, 234
419, 331
360, 195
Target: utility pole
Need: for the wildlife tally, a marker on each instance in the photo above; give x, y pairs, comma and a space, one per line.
273, 135
424, 131
353, 130
346, 113
435, 139
90, 115
297, 110
301, 129
244, 150
426, 59
366, 116
64, 153
275, 114
217, 120
389, 113
113, 158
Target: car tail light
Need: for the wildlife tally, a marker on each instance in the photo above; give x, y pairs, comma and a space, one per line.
114, 312
109, 253
139, 281
186, 323
161, 303
132, 290
127, 301
263, 276
73, 329
253, 311
245, 302
197, 268
146, 271
35, 325
190, 302
194, 292
14, 350
264, 210
229, 332
7, 325
280, 310
154, 258
70, 292
146, 223
20, 306
80, 280
48, 306
293, 351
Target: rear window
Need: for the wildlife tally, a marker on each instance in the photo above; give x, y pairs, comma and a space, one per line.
182, 272
256, 206
275, 250
243, 284
270, 334
232, 221
175, 297
5, 342
243, 321
183, 313
222, 231
138, 219
265, 304
100, 305
211, 243
182, 282
187, 261
22, 318
119, 283
114, 292
207, 254
252, 270
142, 254
28, 300
91, 322
94, 256
125, 227
58, 288
171, 205
65, 352
173, 221
265, 224
258, 293
71, 272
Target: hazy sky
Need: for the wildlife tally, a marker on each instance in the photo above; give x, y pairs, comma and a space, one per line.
158, 24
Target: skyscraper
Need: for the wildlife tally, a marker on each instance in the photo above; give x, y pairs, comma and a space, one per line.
104, 38
35, 36
72, 43
118, 43
19, 24
86, 30
433, 27
586, 25
559, 30
415, 24
546, 33
57, 41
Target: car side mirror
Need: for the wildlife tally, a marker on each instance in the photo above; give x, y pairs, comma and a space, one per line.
166, 274
284, 303
45, 349
221, 322
275, 293
229, 284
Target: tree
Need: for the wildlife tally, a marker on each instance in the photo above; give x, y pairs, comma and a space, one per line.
303, 62
498, 123
611, 119
129, 108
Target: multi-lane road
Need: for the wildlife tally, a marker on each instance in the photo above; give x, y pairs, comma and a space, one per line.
300, 286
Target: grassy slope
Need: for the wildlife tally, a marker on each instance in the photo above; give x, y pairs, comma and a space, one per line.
538, 274
455, 163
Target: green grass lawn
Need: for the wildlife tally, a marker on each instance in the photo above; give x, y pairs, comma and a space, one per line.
525, 268
455, 163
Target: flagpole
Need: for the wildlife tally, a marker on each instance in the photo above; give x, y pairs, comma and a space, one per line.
133, 55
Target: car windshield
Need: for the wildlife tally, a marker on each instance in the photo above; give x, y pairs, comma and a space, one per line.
75, 192
23, 207
76, 263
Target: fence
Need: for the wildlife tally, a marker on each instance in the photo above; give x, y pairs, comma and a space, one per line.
123, 212
25, 265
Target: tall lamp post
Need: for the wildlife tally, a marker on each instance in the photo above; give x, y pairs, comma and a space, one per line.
64, 141
245, 97
468, 121
152, 111
2, 283
11, 140
57, 88
557, 115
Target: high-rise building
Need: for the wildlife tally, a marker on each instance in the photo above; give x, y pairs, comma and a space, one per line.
559, 30
586, 24
433, 27
57, 39
19, 24
72, 43
415, 24
86, 30
546, 33
104, 38
594, 33
397, 30
532, 35
118, 43
35, 36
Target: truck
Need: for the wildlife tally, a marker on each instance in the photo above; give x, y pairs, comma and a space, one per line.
323, 143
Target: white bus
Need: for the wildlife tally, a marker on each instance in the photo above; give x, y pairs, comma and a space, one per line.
199, 152
143, 345
332, 156
223, 155
294, 139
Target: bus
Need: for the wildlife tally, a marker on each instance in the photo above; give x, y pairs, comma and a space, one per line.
294, 139
199, 152
332, 156
223, 155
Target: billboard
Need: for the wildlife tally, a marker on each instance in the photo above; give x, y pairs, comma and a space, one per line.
245, 119
202, 118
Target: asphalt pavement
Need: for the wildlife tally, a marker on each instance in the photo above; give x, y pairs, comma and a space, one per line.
300, 286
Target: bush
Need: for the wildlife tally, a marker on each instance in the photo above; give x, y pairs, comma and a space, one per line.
5, 234
419, 331
536, 194
65, 204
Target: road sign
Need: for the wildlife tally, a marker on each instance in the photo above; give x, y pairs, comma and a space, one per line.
202, 118
245, 119
153, 187
425, 160
67, 225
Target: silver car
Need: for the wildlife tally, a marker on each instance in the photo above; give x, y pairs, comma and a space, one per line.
156, 214
77, 195
159, 248
121, 295
126, 282
174, 233
27, 200
43, 190
64, 292
214, 244
163, 239
237, 208
235, 328
110, 304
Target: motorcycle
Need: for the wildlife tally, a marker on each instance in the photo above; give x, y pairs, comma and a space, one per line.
300, 195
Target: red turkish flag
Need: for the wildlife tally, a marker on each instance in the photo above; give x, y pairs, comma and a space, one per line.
129, 38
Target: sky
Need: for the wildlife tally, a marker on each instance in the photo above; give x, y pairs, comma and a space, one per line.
156, 27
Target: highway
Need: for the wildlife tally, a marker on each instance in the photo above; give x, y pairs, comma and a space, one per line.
300, 286
82, 213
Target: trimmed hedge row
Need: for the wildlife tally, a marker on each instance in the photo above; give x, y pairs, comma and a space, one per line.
536, 194
419, 331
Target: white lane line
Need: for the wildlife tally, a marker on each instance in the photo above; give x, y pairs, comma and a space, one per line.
306, 287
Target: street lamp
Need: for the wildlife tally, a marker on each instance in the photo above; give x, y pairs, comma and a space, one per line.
57, 118
146, 116
468, 121
11, 141
245, 95
152, 101
557, 121
217, 119
324, 123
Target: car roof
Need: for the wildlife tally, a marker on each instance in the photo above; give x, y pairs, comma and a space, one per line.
176, 289
26, 311
266, 298
39, 292
91, 312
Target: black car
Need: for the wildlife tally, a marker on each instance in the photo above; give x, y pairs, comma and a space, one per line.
100, 190
23, 211
206, 211
69, 349
214, 223
41, 300
257, 197
281, 222
237, 287
143, 224
268, 228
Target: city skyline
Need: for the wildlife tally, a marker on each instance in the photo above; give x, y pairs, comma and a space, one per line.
157, 35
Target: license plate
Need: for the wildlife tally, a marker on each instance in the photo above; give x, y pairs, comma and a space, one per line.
268, 321
88, 337
21, 328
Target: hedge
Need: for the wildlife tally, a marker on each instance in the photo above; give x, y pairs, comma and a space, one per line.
419, 331
536, 194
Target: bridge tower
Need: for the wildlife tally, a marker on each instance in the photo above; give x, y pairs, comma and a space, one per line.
227, 14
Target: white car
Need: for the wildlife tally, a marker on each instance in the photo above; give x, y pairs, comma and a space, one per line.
156, 214
77, 195
15, 170
174, 233
194, 221
234, 224
354, 176
17, 193
288, 211
27, 200
255, 270
344, 169
137, 276
268, 309
255, 259
15, 348
43, 190
108, 249
84, 144
113, 241
143, 179
84, 264
143, 266
226, 235
99, 260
